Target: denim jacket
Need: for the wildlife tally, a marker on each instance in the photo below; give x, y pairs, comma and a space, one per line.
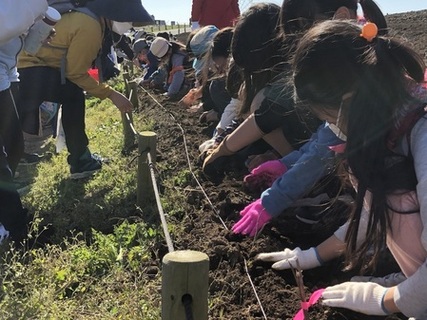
305, 167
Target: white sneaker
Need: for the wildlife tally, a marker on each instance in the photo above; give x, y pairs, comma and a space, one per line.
4, 234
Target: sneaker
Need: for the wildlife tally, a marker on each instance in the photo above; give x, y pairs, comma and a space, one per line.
87, 167
30, 158
4, 234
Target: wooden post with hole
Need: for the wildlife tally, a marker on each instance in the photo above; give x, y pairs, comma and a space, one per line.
147, 141
185, 278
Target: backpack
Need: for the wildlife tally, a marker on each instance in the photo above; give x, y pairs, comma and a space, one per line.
405, 125
104, 62
107, 68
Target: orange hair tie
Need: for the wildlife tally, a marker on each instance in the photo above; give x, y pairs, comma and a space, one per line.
369, 31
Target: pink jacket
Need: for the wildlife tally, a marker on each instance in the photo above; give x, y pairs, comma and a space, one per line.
220, 13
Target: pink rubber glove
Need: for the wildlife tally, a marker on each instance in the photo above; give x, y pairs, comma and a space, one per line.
263, 176
254, 217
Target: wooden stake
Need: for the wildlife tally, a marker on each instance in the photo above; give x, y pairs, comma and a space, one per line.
126, 79
297, 272
185, 280
128, 134
133, 88
147, 141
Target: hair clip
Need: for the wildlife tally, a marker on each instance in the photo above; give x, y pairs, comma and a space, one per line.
369, 31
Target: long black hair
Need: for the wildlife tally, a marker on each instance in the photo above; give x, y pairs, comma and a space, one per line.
256, 48
297, 16
332, 60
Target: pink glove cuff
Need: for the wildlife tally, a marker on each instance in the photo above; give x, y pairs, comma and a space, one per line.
263, 176
339, 148
274, 167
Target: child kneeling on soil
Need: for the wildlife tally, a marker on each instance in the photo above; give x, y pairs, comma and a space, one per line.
211, 81
370, 88
284, 181
228, 121
262, 50
174, 58
146, 60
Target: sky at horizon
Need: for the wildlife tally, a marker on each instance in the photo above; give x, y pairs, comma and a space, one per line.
170, 10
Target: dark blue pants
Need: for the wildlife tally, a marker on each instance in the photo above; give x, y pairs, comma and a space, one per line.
12, 214
40, 84
215, 96
219, 94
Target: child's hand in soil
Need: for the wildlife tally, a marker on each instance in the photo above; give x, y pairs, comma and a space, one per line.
263, 176
364, 297
254, 218
287, 259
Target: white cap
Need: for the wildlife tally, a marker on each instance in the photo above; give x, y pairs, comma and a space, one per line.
52, 14
159, 47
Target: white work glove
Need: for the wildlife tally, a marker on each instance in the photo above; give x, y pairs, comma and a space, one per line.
364, 297
195, 25
307, 259
388, 281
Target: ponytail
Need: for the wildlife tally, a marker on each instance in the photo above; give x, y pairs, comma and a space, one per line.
411, 62
373, 14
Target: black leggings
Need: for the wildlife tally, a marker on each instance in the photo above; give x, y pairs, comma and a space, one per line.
10, 128
40, 84
12, 214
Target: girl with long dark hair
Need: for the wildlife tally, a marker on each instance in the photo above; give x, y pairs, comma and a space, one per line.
370, 87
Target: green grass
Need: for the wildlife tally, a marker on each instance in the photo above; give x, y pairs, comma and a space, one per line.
76, 281
96, 264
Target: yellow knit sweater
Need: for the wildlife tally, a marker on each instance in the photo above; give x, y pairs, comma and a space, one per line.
78, 40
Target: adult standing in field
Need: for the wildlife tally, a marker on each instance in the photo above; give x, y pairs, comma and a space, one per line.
16, 17
220, 13
59, 73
